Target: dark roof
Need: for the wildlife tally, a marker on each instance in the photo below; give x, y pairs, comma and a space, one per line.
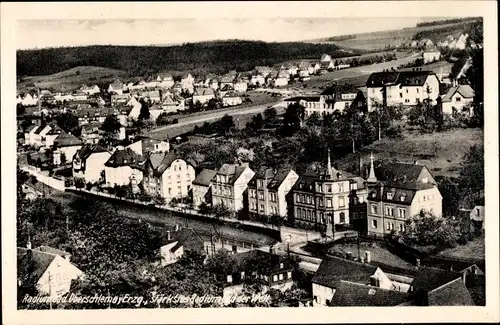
89, 149
337, 89
42, 126
40, 263
263, 173
147, 143
48, 249
476, 284
428, 279
453, 293
332, 270
305, 98
350, 294
465, 90
205, 177
274, 260
55, 129
278, 178
404, 78
122, 157
187, 238
156, 158
399, 195
396, 172
168, 159
66, 140
232, 170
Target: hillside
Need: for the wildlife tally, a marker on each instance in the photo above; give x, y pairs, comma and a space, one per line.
217, 56
72, 78
441, 152
380, 40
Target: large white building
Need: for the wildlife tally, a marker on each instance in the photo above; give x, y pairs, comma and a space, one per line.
229, 185
123, 168
406, 88
88, 163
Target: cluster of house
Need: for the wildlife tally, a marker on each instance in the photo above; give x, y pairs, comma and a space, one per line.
389, 88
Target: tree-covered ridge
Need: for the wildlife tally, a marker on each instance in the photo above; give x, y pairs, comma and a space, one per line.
216, 57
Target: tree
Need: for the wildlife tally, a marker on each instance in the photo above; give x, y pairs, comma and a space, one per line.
20, 110
292, 119
471, 177
144, 113
111, 126
162, 119
69, 123
226, 123
256, 123
270, 114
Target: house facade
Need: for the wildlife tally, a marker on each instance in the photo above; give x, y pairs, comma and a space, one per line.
268, 190
231, 98
179, 241
202, 187
122, 168
397, 192
229, 185
168, 176
65, 147
458, 99
202, 95
143, 146
321, 197
431, 56
88, 163
48, 270
406, 88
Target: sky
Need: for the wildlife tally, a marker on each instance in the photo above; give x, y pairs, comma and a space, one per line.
57, 33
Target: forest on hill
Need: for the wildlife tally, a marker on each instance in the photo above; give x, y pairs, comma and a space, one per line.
198, 58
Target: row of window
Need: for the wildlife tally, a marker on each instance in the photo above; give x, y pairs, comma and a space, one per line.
308, 199
222, 201
340, 187
272, 196
388, 225
389, 211
222, 190
310, 215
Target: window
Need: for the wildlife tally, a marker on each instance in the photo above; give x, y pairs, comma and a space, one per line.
403, 197
229, 278
458, 99
298, 198
374, 223
418, 90
354, 186
320, 188
281, 276
407, 91
389, 211
322, 216
342, 217
328, 203
388, 225
402, 213
262, 208
341, 202
261, 183
261, 195
169, 191
289, 275
320, 202
275, 278
308, 199
400, 95
329, 188
389, 195
374, 209
341, 187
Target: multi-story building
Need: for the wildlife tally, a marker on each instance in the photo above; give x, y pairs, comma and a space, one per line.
321, 197
167, 175
123, 168
229, 185
406, 88
268, 191
397, 192
88, 163
202, 187
336, 97
143, 146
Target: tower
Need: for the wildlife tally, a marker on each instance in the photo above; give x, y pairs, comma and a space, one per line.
372, 179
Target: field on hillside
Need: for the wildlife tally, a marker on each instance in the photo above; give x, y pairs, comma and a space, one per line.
441, 152
72, 78
473, 249
381, 40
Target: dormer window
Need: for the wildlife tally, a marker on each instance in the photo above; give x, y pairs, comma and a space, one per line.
281, 265
389, 196
403, 197
124, 161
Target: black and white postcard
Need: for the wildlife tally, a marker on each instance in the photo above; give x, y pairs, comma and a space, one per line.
239, 162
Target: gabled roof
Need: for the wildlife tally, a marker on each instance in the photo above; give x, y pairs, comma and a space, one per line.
227, 87
350, 294
168, 159
398, 171
51, 250
66, 140
203, 91
186, 238
325, 57
332, 270
122, 157
413, 78
428, 279
117, 84
40, 261
453, 293
262, 173
274, 260
205, 177
465, 90
55, 129
88, 150
304, 65
379, 79
279, 178
156, 158
233, 171
399, 195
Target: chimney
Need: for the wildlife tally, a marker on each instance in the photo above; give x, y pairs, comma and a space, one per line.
168, 235
368, 256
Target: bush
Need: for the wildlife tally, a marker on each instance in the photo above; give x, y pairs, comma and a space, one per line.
175, 121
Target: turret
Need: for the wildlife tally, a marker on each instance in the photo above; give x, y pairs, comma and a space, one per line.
372, 179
